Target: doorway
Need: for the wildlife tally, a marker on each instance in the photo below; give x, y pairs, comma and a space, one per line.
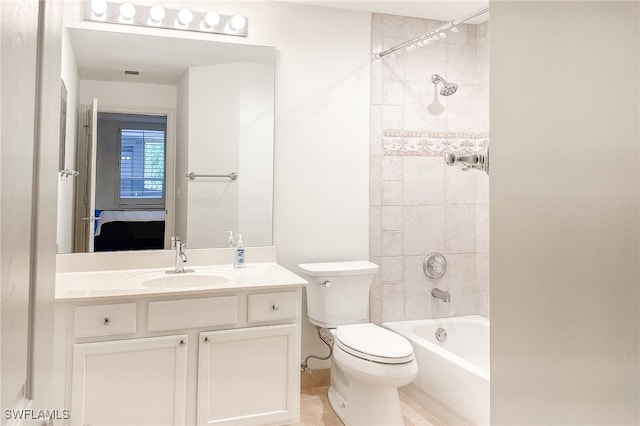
127, 196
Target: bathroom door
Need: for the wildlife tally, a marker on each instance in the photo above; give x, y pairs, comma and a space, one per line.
92, 139
86, 183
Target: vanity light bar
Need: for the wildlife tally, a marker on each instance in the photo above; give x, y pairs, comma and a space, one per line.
126, 13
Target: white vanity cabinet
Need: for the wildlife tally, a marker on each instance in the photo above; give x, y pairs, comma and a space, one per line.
244, 375
214, 357
135, 382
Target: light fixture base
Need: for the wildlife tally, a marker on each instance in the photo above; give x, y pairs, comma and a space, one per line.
226, 25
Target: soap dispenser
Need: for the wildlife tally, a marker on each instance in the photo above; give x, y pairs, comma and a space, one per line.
238, 259
230, 241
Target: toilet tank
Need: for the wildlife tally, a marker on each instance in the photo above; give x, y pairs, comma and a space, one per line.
338, 292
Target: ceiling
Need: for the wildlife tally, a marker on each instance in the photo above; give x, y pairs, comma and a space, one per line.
444, 10
105, 55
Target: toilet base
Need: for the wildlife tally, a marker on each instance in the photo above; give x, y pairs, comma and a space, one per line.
338, 405
372, 405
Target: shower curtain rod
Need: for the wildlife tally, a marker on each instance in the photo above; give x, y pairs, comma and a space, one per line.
434, 31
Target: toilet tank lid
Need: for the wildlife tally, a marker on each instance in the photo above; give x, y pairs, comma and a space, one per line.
354, 267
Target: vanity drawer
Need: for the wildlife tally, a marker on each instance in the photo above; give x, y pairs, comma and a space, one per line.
190, 313
105, 320
273, 306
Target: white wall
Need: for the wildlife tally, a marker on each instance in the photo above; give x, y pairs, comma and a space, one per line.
213, 149
127, 95
564, 213
255, 168
182, 153
230, 130
322, 134
66, 185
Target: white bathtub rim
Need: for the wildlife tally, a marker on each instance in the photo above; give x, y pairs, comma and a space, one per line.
443, 352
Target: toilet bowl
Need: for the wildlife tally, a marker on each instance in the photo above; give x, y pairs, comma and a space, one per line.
376, 362
369, 363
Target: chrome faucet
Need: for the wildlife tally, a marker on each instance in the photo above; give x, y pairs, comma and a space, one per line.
181, 256
445, 296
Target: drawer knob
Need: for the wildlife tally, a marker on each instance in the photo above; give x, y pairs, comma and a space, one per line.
275, 307
182, 342
106, 321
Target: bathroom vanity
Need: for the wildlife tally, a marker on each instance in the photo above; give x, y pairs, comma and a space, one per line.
141, 346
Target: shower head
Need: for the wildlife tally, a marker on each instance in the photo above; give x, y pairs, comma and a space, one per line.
448, 89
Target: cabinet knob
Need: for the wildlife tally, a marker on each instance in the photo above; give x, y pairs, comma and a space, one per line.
106, 321
182, 342
206, 339
275, 306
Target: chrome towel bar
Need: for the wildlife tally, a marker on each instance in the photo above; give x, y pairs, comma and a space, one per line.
232, 176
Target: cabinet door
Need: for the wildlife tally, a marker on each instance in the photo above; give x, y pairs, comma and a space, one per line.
248, 376
130, 382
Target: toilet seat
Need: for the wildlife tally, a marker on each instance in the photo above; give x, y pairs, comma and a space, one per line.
373, 343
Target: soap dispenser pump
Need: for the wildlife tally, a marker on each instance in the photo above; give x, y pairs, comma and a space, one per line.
230, 241
238, 259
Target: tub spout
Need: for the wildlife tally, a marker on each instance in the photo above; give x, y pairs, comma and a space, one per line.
445, 296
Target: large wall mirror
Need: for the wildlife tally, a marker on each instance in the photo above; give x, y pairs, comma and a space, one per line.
143, 112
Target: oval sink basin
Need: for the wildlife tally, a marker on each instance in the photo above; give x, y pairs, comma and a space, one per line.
182, 280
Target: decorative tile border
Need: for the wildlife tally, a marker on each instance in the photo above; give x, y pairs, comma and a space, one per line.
432, 144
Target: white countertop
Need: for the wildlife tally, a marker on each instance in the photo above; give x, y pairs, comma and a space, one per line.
87, 285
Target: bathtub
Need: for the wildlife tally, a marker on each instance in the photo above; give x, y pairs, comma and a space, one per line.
453, 376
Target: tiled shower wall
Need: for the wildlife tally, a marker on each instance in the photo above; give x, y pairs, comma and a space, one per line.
419, 205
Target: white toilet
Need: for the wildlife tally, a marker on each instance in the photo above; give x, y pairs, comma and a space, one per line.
369, 363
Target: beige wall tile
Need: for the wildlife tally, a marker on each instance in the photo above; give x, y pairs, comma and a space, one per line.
482, 229
424, 229
460, 186
460, 229
424, 181
392, 268
392, 167
393, 92
392, 193
392, 243
392, 218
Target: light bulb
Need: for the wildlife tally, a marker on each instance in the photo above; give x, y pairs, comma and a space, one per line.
98, 7
185, 16
238, 22
127, 11
156, 14
211, 19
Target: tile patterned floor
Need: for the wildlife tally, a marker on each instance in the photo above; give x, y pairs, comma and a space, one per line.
316, 411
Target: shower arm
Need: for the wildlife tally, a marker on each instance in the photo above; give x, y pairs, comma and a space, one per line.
441, 28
